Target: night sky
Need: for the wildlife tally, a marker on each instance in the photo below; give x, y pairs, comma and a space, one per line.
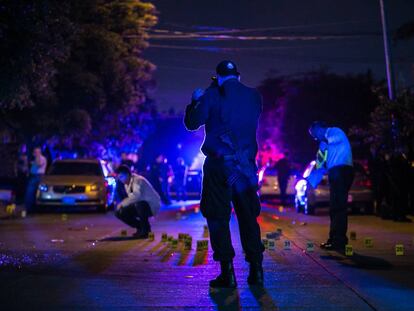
271, 36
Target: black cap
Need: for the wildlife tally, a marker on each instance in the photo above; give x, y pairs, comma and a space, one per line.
227, 68
123, 169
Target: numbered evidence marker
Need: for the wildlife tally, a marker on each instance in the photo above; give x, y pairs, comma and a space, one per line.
399, 250
188, 243
164, 237
310, 247
353, 235
349, 251
151, 236
205, 244
202, 245
169, 240
174, 243
265, 243
368, 242
182, 237
271, 244
287, 246
64, 217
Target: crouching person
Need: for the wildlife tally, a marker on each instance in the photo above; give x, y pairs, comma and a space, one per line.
138, 201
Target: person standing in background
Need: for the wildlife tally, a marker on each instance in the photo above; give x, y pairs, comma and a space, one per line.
37, 169
283, 169
159, 174
22, 173
180, 179
335, 157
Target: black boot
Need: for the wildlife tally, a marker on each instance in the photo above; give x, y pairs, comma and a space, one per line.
255, 274
227, 278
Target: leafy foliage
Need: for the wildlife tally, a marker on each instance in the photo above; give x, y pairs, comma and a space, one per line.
85, 65
292, 103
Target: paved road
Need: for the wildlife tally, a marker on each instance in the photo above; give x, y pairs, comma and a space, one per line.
84, 263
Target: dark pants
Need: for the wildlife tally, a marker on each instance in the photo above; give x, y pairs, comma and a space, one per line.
217, 196
30, 195
340, 181
283, 182
136, 216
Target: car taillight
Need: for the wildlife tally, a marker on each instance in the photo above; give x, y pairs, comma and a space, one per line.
364, 183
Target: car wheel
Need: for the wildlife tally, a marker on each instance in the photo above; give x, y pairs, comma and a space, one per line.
102, 208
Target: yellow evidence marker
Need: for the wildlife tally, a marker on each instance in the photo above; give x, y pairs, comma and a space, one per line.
353, 235
399, 250
271, 244
174, 243
188, 243
310, 247
368, 242
200, 246
287, 245
349, 250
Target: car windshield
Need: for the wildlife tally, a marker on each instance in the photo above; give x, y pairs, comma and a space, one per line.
76, 168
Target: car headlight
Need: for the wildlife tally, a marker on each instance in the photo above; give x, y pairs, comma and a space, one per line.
43, 188
93, 188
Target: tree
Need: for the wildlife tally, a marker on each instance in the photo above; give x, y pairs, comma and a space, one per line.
292, 103
404, 32
391, 125
101, 76
34, 38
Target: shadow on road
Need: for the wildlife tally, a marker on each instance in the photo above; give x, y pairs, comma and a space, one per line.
361, 262
263, 298
225, 299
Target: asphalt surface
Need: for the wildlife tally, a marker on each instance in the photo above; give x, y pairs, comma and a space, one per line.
82, 261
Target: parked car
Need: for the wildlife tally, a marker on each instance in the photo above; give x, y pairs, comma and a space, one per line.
269, 186
307, 199
76, 182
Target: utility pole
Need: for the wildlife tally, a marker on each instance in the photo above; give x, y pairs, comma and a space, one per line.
387, 52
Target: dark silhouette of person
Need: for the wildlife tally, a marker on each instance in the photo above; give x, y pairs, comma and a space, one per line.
283, 168
230, 112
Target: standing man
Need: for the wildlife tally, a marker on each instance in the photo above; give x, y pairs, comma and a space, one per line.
230, 112
283, 169
136, 201
335, 156
180, 179
37, 169
160, 171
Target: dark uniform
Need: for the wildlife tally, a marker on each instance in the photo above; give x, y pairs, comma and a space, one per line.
230, 114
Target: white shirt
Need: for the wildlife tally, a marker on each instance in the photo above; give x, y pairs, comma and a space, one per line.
39, 165
140, 189
338, 146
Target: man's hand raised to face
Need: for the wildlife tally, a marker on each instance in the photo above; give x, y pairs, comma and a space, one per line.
197, 94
